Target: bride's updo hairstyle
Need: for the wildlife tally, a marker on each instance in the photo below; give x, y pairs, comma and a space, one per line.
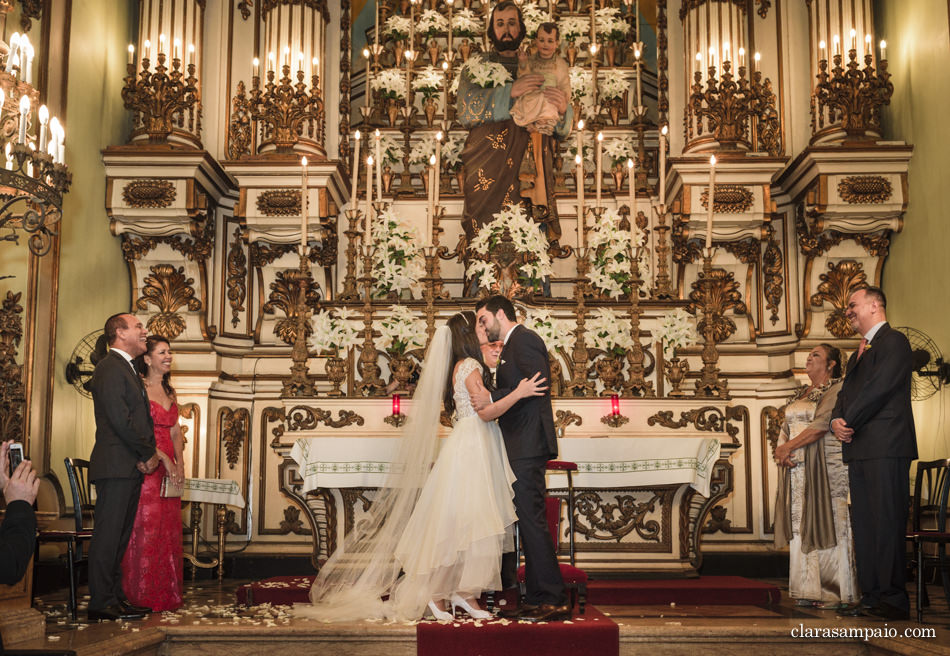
464, 345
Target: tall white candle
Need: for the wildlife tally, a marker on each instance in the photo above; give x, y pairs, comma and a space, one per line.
131, 54
355, 167
369, 199
379, 167
24, 113
632, 186
637, 54
663, 165
303, 206
450, 3
581, 233
599, 160
431, 197
712, 200
445, 88
883, 50
438, 169
44, 122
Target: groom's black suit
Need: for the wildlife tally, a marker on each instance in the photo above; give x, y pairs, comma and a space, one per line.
125, 436
530, 441
875, 402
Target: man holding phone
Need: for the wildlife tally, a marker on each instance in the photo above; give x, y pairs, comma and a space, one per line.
18, 531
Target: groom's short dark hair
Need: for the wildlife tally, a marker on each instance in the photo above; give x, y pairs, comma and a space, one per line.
495, 303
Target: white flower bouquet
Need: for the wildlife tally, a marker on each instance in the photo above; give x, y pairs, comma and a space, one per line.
431, 23
587, 154
620, 150
582, 88
390, 150
422, 150
610, 268
397, 263
466, 24
528, 242
429, 80
392, 83
675, 330
398, 27
610, 25
533, 17
612, 84
486, 74
333, 331
609, 332
452, 151
556, 333
572, 27
402, 331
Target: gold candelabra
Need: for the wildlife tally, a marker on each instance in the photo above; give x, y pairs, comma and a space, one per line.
370, 384
161, 97
286, 108
662, 282
710, 385
579, 384
300, 384
352, 232
734, 108
851, 95
636, 385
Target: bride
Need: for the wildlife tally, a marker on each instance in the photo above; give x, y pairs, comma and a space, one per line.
436, 531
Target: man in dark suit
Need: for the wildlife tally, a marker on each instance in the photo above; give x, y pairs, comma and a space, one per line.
124, 450
874, 421
530, 441
18, 530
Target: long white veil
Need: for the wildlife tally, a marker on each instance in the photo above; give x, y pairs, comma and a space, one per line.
352, 582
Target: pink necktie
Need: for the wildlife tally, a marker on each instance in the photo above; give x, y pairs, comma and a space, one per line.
862, 347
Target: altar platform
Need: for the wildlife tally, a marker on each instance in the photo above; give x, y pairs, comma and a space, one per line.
211, 623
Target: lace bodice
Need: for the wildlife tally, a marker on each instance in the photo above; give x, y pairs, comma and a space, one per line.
463, 402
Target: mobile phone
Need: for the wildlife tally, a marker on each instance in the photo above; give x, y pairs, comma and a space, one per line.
16, 456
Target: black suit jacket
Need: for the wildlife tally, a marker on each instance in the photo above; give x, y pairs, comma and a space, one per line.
528, 426
17, 537
875, 400
125, 434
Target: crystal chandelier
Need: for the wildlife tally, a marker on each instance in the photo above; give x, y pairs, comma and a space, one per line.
33, 174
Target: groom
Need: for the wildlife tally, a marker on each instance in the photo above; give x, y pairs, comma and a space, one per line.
528, 430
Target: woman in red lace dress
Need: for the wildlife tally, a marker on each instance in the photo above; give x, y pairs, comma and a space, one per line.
152, 565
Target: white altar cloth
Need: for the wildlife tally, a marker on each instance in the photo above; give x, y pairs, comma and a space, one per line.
213, 490
334, 462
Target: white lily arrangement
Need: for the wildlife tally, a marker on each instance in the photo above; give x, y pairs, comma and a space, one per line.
620, 150
429, 80
610, 268
431, 23
402, 330
609, 331
587, 154
398, 27
610, 25
452, 151
484, 73
582, 88
556, 333
333, 331
392, 82
528, 241
572, 27
533, 17
675, 330
466, 24
422, 150
390, 150
612, 84
397, 263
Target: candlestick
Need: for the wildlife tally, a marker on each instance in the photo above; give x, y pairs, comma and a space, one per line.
146, 49
44, 121
868, 50
854, 39
581, 232
883, 50
369, 199
450, 3
376, 26
632, 187
431, 198
725, 51
409, 57
303, 207
191, 54
161, 44
256, 67
355, 167
742, 57
438, 168
445, 89
835, 45
755, 61
636, 53
379, 166
711, 197
131, 54
176, 49
598, 159
369, 77
24, 112
636, 13
821, 51
663, 166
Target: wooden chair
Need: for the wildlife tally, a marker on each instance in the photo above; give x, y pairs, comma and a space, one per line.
929, 525
78, 472
575, 579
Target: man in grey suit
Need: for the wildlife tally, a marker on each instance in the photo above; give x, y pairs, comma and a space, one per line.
874, 421
124, 451
530, 441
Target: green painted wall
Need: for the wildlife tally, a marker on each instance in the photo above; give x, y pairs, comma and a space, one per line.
94, 279
918, 269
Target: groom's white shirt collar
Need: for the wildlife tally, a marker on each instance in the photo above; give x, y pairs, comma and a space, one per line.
508, 334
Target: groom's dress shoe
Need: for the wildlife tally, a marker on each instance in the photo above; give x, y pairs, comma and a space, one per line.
128, 607
110, 613
548, 613
516, 612
889, 612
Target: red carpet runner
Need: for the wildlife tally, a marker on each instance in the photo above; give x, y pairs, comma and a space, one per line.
591, 634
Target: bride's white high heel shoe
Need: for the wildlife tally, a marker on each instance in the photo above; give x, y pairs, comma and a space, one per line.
439, 614
474, 613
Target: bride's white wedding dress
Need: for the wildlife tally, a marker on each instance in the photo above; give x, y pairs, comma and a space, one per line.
429, 533
463, 520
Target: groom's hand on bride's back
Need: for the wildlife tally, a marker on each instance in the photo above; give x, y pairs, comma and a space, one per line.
481, 400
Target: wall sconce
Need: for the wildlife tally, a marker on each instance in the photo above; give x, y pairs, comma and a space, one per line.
396, 419
614, 419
